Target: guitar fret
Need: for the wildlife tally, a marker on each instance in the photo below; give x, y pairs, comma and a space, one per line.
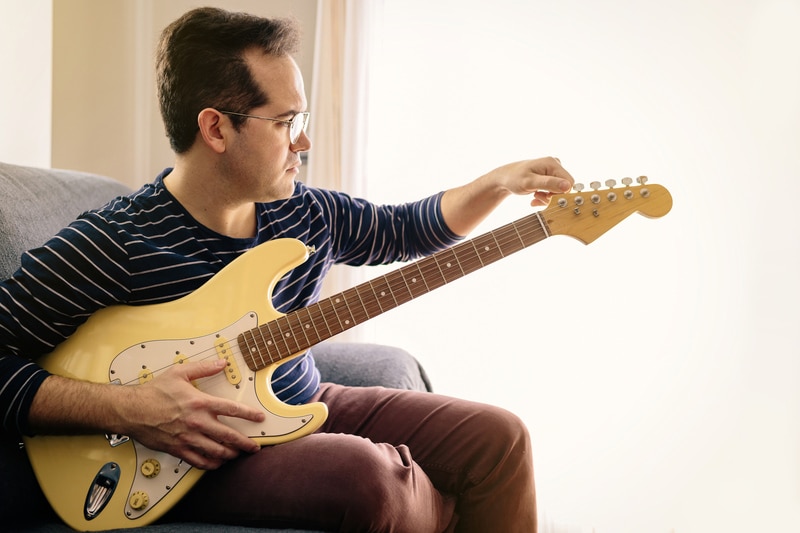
506, 240
369, 312
357, 309
413, 287
342, 305
422, 275
448, 258
290, 334
351, 307
332, 309
321, 314
431, 273
396, 284
277, 325
250, 351
300, 324
266, 344
375, 294
497, 244
311, 323
383, 288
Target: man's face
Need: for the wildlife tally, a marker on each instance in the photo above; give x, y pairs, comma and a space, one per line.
265, 162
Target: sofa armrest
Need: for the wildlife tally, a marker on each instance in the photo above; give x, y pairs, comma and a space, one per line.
365, 364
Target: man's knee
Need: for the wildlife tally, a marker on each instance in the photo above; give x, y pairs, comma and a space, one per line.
391, 493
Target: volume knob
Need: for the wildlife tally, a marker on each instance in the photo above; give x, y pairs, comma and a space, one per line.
139, 500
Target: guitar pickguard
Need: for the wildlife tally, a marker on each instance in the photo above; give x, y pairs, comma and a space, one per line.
157, 473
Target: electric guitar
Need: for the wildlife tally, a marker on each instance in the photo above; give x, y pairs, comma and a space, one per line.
97, 482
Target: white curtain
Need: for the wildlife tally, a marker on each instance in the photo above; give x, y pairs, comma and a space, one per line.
339, 102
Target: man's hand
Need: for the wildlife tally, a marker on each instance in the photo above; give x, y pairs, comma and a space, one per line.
540, 177
465, 207
183, 421
167, 414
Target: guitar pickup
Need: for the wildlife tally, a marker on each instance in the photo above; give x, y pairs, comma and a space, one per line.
232, 373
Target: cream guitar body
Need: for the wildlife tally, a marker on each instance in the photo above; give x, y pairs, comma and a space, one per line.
98, 482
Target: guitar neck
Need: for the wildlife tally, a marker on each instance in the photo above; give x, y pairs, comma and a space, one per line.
299, 330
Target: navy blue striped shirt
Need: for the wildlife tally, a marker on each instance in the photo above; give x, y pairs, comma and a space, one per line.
146, 248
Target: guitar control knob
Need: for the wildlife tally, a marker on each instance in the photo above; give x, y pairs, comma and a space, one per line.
139, 500
150, 468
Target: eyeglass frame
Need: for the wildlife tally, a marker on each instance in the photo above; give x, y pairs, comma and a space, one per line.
289, 123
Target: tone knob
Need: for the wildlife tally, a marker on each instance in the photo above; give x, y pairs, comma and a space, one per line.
139, 500
150, 468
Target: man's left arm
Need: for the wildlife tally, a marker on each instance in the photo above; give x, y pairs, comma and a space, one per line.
463, 208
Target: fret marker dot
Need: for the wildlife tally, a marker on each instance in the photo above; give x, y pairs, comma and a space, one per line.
383, 293
269, 343
252, 350
346, 321
448, 265
413, 280
486, 249
308, 326
288, 335
338, 300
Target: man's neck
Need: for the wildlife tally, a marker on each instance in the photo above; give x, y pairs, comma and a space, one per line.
206, 198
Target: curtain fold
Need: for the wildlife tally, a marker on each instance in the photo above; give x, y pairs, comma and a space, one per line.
339, 101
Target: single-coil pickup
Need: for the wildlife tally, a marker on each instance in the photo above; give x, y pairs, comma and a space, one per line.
145, 375
224, 352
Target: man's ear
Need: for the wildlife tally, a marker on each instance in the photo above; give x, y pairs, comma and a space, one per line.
213, 129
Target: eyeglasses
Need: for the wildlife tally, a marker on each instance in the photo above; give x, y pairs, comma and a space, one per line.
296, 126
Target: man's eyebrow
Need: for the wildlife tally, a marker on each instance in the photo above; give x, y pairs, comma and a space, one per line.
288, 114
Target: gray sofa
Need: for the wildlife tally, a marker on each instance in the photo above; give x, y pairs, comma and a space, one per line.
34, 204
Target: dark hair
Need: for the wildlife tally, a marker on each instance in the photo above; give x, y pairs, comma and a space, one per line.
200, 63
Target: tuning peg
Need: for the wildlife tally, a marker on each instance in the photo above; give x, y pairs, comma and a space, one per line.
610, 183
627, 181
578, 187
594, 185
641, 180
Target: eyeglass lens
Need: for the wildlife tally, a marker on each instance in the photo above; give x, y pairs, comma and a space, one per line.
299, 123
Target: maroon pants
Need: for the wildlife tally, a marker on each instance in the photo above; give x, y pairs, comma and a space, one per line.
385, 460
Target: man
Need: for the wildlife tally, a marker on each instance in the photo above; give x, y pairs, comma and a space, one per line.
234, 106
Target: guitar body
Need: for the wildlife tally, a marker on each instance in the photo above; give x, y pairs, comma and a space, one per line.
97, 482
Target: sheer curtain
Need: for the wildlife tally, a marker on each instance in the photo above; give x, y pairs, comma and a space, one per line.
339, 103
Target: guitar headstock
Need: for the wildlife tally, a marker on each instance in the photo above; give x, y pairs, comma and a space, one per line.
586, 215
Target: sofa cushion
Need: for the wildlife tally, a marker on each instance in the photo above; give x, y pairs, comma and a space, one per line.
36, 203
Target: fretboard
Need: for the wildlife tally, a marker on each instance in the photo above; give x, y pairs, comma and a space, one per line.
299, 330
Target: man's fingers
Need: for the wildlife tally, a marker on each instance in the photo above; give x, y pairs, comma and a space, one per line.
203, 369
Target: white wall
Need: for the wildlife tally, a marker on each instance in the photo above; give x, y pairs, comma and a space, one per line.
26, 65
657, 368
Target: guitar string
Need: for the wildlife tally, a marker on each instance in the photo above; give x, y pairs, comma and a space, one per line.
526, 231
496, 244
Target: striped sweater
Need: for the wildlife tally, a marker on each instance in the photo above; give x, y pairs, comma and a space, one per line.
146, 248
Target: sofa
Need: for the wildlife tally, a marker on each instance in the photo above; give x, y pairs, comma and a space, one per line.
34, 204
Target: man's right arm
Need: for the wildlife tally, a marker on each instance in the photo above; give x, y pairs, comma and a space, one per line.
167, 413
